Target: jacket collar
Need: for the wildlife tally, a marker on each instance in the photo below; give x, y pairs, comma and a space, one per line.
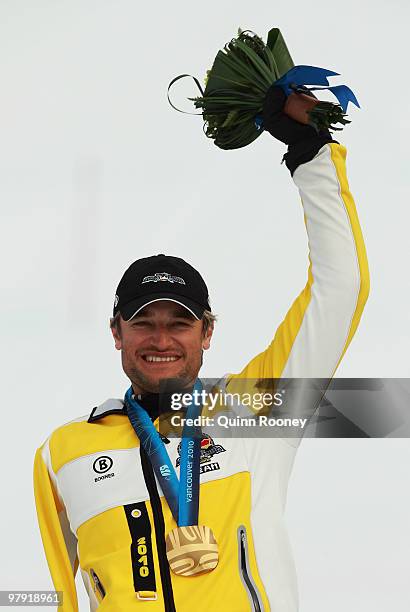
110, 406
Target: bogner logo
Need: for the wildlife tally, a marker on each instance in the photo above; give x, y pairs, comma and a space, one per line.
102, 465
163, 276
208, 450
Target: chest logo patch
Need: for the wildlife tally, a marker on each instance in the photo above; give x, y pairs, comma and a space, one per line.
102, 465
208, 450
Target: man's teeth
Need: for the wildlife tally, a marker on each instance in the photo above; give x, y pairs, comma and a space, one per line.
154, 358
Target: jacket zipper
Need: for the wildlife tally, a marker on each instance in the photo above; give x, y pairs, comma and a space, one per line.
169, 604
244, 568
97, 583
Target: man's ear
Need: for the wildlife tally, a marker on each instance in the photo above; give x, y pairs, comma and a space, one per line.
206, 341
117, 338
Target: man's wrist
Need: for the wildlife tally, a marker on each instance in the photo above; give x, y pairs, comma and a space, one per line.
305, 150
302, 139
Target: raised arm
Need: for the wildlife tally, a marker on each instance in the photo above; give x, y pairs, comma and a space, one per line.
313, 337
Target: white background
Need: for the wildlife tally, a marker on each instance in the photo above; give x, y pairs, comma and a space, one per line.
97, 170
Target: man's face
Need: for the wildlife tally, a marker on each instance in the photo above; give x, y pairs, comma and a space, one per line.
164, 341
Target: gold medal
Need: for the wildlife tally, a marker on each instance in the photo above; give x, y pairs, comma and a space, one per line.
192, 550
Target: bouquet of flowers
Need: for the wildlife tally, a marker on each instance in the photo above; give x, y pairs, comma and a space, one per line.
236, 87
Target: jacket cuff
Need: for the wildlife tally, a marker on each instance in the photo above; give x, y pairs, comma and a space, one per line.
305, 150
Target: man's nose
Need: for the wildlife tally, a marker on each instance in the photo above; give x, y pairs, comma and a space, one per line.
160, 338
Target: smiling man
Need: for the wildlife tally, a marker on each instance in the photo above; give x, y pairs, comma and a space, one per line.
162, 322
196, 522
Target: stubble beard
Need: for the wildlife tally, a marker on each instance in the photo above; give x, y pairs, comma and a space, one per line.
146, 384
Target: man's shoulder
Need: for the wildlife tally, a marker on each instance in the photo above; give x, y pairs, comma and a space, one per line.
109, 406
80, 435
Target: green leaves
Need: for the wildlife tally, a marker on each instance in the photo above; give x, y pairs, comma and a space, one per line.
325, 114
236, 87
235, 90
277, 46
257, 63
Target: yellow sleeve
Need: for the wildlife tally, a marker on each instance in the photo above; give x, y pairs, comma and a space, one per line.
319, 326
58, 541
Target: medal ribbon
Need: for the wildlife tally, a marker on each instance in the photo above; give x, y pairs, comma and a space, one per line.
182, 495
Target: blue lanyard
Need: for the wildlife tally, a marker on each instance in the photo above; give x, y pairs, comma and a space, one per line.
182, 496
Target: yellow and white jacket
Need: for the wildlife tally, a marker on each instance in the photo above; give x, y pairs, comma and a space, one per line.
97, 501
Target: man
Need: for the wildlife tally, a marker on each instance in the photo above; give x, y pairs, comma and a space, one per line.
101, 508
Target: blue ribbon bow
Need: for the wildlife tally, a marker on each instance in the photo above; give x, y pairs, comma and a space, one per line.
312, 75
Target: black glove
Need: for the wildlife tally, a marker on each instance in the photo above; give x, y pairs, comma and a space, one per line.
303, 140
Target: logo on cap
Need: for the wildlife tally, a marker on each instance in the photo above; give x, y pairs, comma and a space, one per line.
163, 276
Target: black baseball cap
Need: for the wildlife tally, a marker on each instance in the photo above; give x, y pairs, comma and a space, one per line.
160, 277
